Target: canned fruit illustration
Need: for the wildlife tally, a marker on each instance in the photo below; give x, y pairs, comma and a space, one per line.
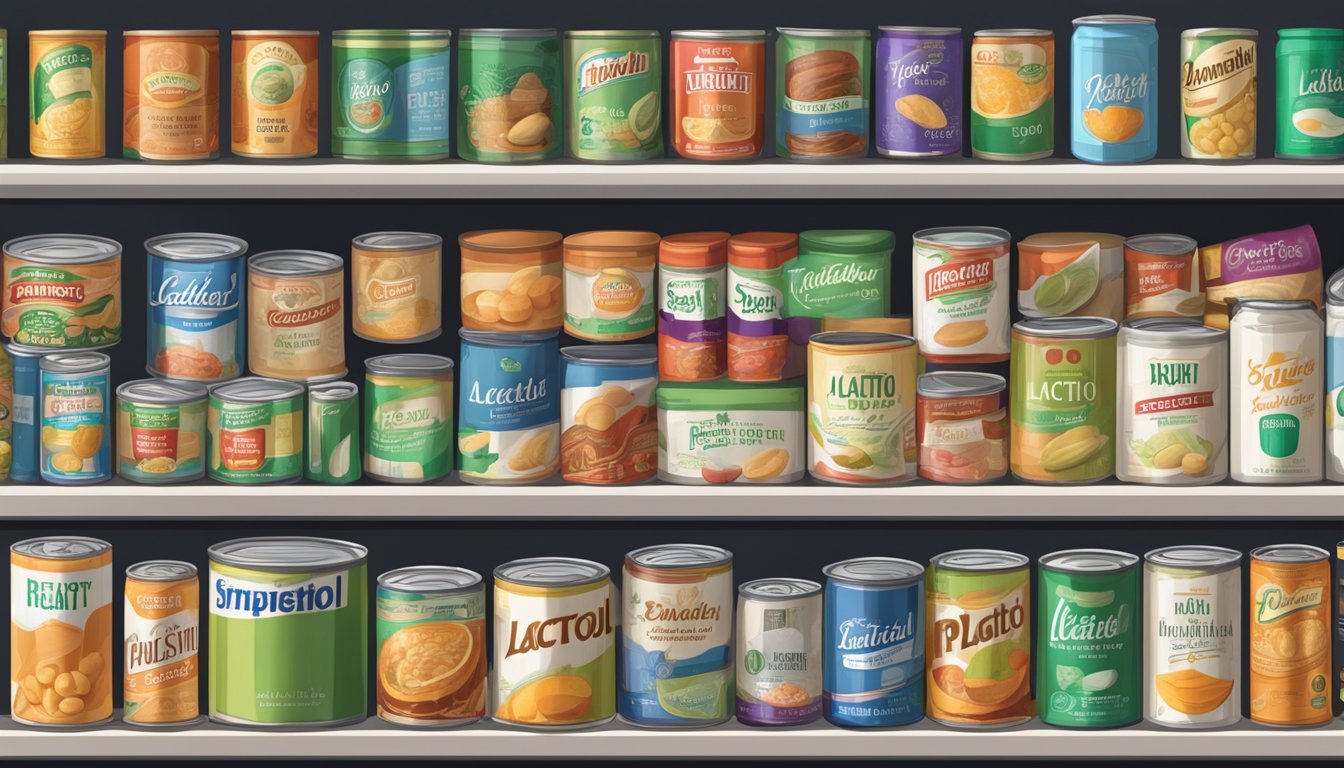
512, 280
162, 640
508, 423
397, 286
161, 431
1071, 274
614, 97
509, 108
692, 325
821, 93
408, 418
608, 277
1271, 265
1162, 277
779, 652
728, 432
1218, 93
76, 424
918, 77
296, 315
67, 103
1309, 110
255, 431
718, 97
197, 306
331, 434
608, 418
62, 291
274, 94
1013, 94
961, 425
763, 344
171, 95
1114, 79
390, 93
1290, 635
961, 277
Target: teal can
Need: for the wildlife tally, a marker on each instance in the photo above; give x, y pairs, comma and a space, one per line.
1309, 120
332, 434
75, 426
390, 99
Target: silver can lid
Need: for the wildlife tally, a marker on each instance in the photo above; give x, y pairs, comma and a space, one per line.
1171, 331
409, 365
1200, 557
1289, 553
288, 554
959, 384
552, 572
1067, 327
161, 570
162, 392
979, 560
61, 547
963, 237
861, 338
505, 338
1088, 561
1015, 32
922, 30
431, 580
778, 589
604, 354
1164, 244
256, 389
294, 263
63, 249
74, 362
397, 241
875, 571
196, 247
333, 392
675, 557
718, 34
1334, 289
1236, 305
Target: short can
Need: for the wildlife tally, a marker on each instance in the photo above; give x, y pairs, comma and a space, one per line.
608, 419
692, 298
67, 70
408, 418
331, 434
763, 343
677, 637
822, 88
1013, 94
512, 280
60, 624
1218, 93
1334, 378
62, 291
509, 107
614, 101
430, 625
780, 652
170, 106
919, 79
274, 94
26, 434
76, 425
961, 425
718, 93
1309, 109
197, 287
1162, 277
1289, 637
1114, 89
389, 98
962, 294
397, 287
289, 632
717, 432
162, 642
254, 428
296, 315
979, 638
508, 418
554, 644
839, 273
161, 431
873, 670
609, 285
1071, 274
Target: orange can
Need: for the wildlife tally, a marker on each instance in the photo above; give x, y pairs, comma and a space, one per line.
718, 97
692, 329
763, 345
1290, 635
67, 71
162, 639
171, 88
275, 84
511, 280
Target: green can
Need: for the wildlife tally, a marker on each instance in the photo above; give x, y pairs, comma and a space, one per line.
615, 95
508, 95
332, 437
289, 632
408, 418
1013, 94
255, 430
1310, 96
1089, 669
390, 94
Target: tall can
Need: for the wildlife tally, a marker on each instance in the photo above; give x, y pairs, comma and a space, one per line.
1290, 635
961, 424
255, 431
962, 294
197, 324
718, 93
274, 94
296, 315
692, 302
25, 438
919, 108
76, 423
608, 414
67, 98
1089, 663
509, 107
389, 97
763, 344
1013, 94
1071, 273
170, 91
615, 96
1334, 377
779, 652
162, 641
397, 286
508, 420
1218, 93
1114, 78
408, 418
822, 90
1309, 97
160, 431
331, 434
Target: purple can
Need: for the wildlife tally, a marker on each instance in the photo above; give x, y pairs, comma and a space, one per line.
692, 325
919, 85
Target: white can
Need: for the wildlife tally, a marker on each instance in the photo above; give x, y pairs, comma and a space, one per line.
1334, 377
779, 654
1172, 401
1276, 361
962, 289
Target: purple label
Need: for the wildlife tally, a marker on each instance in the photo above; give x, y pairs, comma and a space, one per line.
755, 713
691, 304
920, 106
1269, 254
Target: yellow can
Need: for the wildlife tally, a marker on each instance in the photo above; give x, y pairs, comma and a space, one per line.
274, 94
68, 93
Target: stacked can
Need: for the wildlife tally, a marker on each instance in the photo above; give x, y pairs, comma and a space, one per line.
779, 652
508, 418
1114, 78
331, 438
692, 327
761, 343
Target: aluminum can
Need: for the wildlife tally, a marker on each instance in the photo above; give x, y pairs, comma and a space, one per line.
1309, 97
822, 88
962, 294
26, 440
961, 425
76, 421
509, 106
1334, 378
161, 431
1013, 94
197, 292
408, 418
62, 291
296, 315
608, 414
389, 97
1290, 635
919, 74
1218, 93
718, 96
331, 436
1072, 274
274, 94
255, 431
162, 614
1114, 77
67, 71
508, 417
614, 99
779, 652
170, 102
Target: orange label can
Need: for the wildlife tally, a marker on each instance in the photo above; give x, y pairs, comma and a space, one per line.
718, 93
162, 640
67, 93
171, 89
692, 272
1290, 635
274, 99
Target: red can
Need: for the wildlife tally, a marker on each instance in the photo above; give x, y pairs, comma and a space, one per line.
961, 424
718, 93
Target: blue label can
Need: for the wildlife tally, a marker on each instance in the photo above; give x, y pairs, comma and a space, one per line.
509, 407
874, 625
197, 329
25, 410
1114, 89
75, 427
391, 94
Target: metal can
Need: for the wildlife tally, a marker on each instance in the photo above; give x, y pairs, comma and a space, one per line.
255, 431
919, 73
170, 108
296, 315
398, 286
289, 632
614, 99
408, 418
275, 87
1309, 113
839, 273
508, 420
513, 272
60, 615
692, 298
718, 101
1013, 94
1162, 277
763, 344
979, 637
331, 436
390, 94
779, 652
197, 306
1290, 635
1071, 274
961, 425
76, 425
161, 431
26, 440
715, 432
608, 280
161, 641
1192, 640
67, 70
821, 93
430, 625
962, 290
608, 414
62, 291
1218, 93
554, 643
509, 108
1277, 357
1334, 377
1114, 78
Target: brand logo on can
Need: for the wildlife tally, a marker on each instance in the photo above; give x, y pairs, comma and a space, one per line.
1273, 603
243, 600
186, 289
560, 630
1278, 371
604, 68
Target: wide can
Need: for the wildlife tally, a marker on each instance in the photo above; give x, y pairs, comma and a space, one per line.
1334, 377
718, 97
170, 86
331, 434
397, 286
961, 425
255, 431
763, 343
161, 431
779, 652
76, 425
1218, 93
67, 100
390, 94
609, 285
716, 432
1114, 83
408, 418
1013, 94
162, 641
197, 324
692, 306
1309, 110
615, 96
821, 93
508, 84
962, 293
919, 108
1290, 635
1071, 273
296, 315
508, 420
274, 94
62, 291
512, 280
608, 414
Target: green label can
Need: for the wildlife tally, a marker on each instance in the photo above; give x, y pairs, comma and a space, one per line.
408, 418
821, 93
1013, 94
615, 97
332, 439
508, 95
390, 93
1088, 670
255, 430
1309, 119
160, 431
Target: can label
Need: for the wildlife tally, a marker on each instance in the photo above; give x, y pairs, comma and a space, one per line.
1012, 98
275, 96
256, 442
874, 655
408, 428
961, 301
171, 97
1173, 412
1290, 643
1071, 274
760, 345
163, 635
160, 443
196, 319
1162, 284
861, 414
509, 108
730, 445
779, 661
1192, 646
1276, 409
609, 303
68, 97
1310, 99
1114, 78
719, 99
610, 432
397, 295
1218, 93
921, 78
77, 306
1063, 409
963, 439
509, 420
296, 329
391, 98
431, 657
1089, 665
822, 93
691, 323
332, 441
615, 98
76, 428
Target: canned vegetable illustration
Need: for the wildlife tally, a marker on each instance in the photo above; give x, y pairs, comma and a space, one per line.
779, 652
331, 433
76, 422
162, 616
508, 421
171, 95
1290, 635
274, 94
296, 315
731, 432
962, 288
62, 291
821, 93
390, 94
718, 96
961, 424
67, 100
408, 418
1013, 94
397, 286
692, 306
918, 77
1309, 97
608, 414
1071, 274
255, 431
1218, 93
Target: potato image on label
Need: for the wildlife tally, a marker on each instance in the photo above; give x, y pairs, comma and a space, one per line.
922, 111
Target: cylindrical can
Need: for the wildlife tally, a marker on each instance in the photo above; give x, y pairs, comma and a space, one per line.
1071, 274
255, 431
26, 440
514, 274
1162, 277
62, 291
762, 344
1277, 353
76, 425
197, 325
874, 629
1290, 635
692, 294
508, 83
408, 418
723, 431
608, 415
67, 70
839, 273
961, 425
1114, 76
608, 277
1089, 667
1218, 93
979, 638
430, 625
1309, 112
962, 289
331, 436
296, 315
779, 652
60, 625
170, 86
508, 420
1013, 94
389, 96
718, 96
919, 74
821, 93
614, 102
275, 94
398, 286
161, 431
162, 639
1192, 636
861, 408
555, 644
1062, 390
289, 632
1334, 378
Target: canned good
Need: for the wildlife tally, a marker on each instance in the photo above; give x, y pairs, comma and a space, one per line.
961, 425
763, 344
408, 418
161, 431
255, 431
76, 418
555, 644
162, 641
692, 326
979, 638
1192, 640
962, 289
1114, 77
62, 291
275, 87
1218, 93
390, 94
431, 646
197, 306
398, 286
608, 419
1162, 277
171, 95
779, 652
1013, 94
26, 441
60, 625
1334, 377
508, 423
331, 435
919, 113
607, 280
1309, 114
1282, 265
1071, 274
718, 101
289, 637
67, 70
840, 273
821, 93
677, 641
1290, 635
296, 315
730, 432
509, 108
615, 95
512, 280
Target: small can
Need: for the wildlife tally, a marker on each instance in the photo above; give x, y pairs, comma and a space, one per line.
1013, 94
692, 298
821, 93
780, 659
615, 95
508, 420
76, 426
718, 97
161, 431
1192, 637
430, 627
67, 70
979, 616
608, 414
1114, 83
919, 73
608, 277
331, 436
1334, 378
162, 642
763, 344
26, 441
1218, 93
962, 294
1162, 277
839, 273
512, 280
408, 418
1088, 665
509, 107
197, 306
398, 286
170, 107
1309, 112
874, 629
62, 291
275, 92
1290, 635
389, 96
714, 432
296, 315
1071, 274
255, 431
961, 424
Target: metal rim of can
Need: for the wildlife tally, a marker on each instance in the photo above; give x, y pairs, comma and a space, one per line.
1201, 32
161, 570
256, 389
392, 34
980, 561
564, 572
679, 557
397, 241
528, 32
90, 249
437, 580
67, 33
1312, 32
875, 572
922, 30
944, 384
848, 241
333, 392
618, 356
505, 338
775, 589
819, 32
1106, 19
163, 392
409, 365
277, 554
274, 33
1162, 244
861, 339
1088, 561
1289, 554
1171, 331
195, 247
539, 239
587, 34
1236, 305
170, 33
971, 237
1016, 32
295, 263
1080, 327
75, 362
1334, 289
729, 35
36, 547
1195, 557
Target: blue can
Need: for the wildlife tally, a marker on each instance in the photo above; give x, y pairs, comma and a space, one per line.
197, 329
874, 668
508, 414
24, 439
608, 414
1114, 86
75, 425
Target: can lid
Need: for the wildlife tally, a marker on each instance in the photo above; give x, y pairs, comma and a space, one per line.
397, 241
694, 249
170, 33
465, 34
295, 263
411, 365
778, 589
1172, 331
861, 338
161, 570
613, 240
19, 350
1334, 289
552, 572
393, 34
333, 391
762, 250
847, 241
61, 547
1067, 327
256, 389
1289, 553
67, 33
718, 34
674, 557
63, 249
875, 571
1113, 18
288, 554
510, 240
1088, 561
964, 237
812, 32
431, 580
1235, 305
74, 362
959, 384
1162, 244
505, 338
196, 247
611, 33
1312, 32
275, 32
1253, 34
923, 30
162, 391
979, 560
1062, 239
1015, 32
601, 354
1195, 557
